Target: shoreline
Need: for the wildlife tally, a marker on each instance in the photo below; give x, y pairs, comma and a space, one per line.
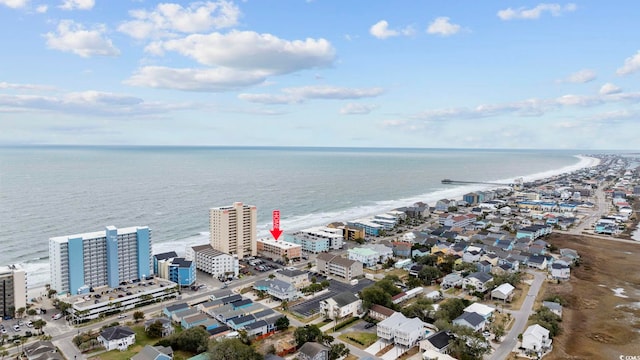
300, 222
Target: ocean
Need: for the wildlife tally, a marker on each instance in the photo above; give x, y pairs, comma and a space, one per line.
51, 191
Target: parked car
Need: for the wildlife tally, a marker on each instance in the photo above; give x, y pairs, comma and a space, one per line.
122, 316
29, 324
56, 316
16, 328
369, 325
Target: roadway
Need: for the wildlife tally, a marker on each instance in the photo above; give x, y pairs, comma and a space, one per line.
62, 334
521, 317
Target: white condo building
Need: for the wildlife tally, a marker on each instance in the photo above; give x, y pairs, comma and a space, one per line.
212, 261
233, 229
109, 257
13, 289
318, 239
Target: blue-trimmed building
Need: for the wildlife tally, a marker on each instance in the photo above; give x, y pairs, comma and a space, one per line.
180, 271
84, 261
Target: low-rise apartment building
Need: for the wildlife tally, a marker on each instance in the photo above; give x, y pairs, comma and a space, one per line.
278, 249
212, 261
341, 268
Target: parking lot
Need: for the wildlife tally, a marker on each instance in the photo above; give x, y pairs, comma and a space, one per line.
311, 306
15, 329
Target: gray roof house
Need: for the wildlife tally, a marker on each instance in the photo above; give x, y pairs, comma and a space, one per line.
479, 281
282, 290
313, 351
470, 319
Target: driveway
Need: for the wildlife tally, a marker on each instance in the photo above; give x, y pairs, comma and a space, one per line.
521, 316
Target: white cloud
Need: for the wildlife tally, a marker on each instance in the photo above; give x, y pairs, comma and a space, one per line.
394, 123
28, 87
41, 9
87, 103
214, 80
381, 30
14, 4
582, 76
536, 12
78, 4
248, 50
357, 109
609, 88
530, 107
170, 18
442, 26
301, 94
73, 37
631, 65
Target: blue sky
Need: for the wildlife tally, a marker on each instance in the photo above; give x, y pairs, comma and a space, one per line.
447, 74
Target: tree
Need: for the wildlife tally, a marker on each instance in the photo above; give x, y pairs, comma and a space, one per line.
138, 315
388, 286
325, 284
284, 305
375, 295
307, 333
429, 274
32, 312
419, 309
4, 353
51, 292
450, 309
232, 349
282, 323
20, 311
413, 282
336, 351
194, 340
39, 325
155, 330
468, 344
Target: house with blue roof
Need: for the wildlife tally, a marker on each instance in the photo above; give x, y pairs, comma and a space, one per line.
170, 310
240, 321
244, 303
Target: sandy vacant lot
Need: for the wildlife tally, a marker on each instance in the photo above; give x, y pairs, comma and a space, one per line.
602, 317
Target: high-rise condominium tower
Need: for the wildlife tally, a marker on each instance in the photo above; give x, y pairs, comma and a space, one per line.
233, 229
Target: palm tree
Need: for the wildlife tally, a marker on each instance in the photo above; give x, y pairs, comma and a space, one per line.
4, 353
39, 324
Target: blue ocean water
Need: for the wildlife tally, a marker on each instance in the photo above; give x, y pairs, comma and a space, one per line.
53, 191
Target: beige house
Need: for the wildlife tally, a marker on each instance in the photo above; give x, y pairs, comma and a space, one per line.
338, 267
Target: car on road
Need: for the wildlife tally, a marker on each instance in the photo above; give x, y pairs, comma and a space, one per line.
122, 316
56, 316
369, 325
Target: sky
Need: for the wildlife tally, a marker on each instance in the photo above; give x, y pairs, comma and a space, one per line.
410, 73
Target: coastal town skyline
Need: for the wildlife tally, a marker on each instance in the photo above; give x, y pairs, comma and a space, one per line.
317, 73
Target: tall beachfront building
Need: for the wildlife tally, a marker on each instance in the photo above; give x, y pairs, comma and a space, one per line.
109, 257
233, 229
13, 289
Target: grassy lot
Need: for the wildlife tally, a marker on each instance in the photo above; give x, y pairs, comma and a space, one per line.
360, 340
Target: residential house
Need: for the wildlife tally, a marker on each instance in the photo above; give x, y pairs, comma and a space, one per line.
41, 350
472, 320
297, 278
452, 280
484, 266
570, 253
172, 309
478, 281
340, 306
313, 351
154, 353
282, 290
537, 262
503, 292
117, 337
341, 268
554, 307
472, 256
370, 255
536, 339
260, 327
481, 309
194, 320
560, 271
167, 327
379, 312
401, 249
438, 342
401, 330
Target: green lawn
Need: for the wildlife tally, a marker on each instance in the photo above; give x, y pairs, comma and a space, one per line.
361, 340
141, 340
